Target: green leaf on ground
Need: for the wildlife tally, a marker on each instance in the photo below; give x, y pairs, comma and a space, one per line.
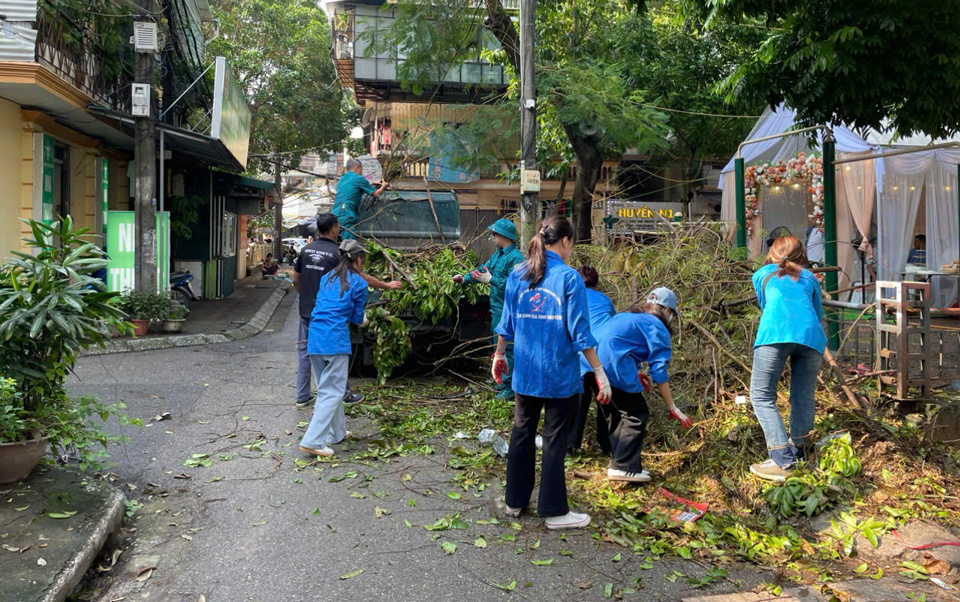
608, 590
64, 514
225, 457
508, 537
480, 542
316, 512
448, 547
616, 558
507, 588
862, 568
352, 575
454, 495
358, 496
407, 522
535, 546
411, 503
260, 522
566, 552
244, 418
380, 512
546, 562
516, 526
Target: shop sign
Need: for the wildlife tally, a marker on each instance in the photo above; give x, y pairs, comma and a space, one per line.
231, 113
642, 217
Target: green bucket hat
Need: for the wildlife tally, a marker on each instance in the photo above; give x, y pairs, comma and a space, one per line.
504, 227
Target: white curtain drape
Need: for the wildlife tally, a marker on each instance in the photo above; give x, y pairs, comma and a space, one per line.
856, 185
899, 199
941, 224
728, 204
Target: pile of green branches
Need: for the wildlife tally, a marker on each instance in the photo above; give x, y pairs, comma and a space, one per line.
429, 296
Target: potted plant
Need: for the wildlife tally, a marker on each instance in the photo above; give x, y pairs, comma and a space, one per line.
51, 308
144, 307
176, 316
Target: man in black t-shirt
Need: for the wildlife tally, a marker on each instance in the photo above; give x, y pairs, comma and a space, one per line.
315, 260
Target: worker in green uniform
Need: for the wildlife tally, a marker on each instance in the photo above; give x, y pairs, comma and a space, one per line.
495, 273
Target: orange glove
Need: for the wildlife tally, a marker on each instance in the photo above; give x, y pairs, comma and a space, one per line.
645, 381
676, 414
499, 367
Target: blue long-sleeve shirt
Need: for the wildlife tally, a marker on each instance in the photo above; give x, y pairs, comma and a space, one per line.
601, 308
329, 330
792, 309
500, 265
626, 342
549, 326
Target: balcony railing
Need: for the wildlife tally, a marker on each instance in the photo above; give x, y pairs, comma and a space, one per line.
70, 50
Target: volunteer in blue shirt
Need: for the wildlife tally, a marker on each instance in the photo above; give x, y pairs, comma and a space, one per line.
341, 299
545, 315
790, 329
628, 340
495, 273
350, 190
601, 309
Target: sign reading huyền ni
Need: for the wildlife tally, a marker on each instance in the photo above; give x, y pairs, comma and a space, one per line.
642, 217
230, 119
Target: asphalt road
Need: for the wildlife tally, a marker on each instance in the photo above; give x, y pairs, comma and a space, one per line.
257, 527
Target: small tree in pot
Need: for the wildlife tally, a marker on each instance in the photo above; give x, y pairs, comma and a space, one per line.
51, 308
144, 307
176, 316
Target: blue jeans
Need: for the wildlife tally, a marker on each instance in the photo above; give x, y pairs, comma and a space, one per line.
768, 362
328, 425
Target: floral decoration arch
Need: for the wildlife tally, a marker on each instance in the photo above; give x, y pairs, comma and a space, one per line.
801, 170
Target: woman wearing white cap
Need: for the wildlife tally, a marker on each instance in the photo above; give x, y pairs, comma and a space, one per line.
641, 335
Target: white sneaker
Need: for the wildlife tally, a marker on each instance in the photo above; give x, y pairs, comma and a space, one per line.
324, 451
513, 512
570, 520
614, 474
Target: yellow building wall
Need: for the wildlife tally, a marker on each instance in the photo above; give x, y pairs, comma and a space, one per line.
11, 164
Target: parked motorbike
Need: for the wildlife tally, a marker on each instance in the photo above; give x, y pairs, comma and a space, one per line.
180, 289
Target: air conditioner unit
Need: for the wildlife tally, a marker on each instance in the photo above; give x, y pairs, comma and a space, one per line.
146, 37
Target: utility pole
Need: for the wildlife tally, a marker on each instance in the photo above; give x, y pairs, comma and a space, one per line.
529, 197
145, 153
278, 211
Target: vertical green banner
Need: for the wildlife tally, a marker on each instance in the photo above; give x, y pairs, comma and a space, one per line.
105, 195
122, 242
163, 251
46, 211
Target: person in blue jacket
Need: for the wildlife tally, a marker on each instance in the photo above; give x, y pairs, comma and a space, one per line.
641, 335
341, 298
790, 329
601, 309
495, 273
545, 315
350, 190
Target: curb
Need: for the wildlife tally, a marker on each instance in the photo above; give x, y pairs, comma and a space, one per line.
255, 326
72, 573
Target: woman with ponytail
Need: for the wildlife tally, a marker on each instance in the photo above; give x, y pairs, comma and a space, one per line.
790, 329
546, 316
341, 298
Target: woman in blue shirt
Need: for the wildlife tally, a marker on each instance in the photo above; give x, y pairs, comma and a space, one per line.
790, 328
341, 298
545, 315
601, 309
627, 341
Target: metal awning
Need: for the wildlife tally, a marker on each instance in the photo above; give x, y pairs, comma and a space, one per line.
184, 142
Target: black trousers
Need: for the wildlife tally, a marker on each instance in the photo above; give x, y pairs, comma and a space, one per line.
587, 398
558, 418
626, 415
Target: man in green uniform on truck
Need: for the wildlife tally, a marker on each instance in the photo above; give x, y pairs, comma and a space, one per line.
350, 190
495, 273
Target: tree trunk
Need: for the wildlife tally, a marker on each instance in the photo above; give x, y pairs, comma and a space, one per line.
278, 212
589, 163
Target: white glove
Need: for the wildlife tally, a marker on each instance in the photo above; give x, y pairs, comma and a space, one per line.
366, 320
676, 414
604, 384
482, 276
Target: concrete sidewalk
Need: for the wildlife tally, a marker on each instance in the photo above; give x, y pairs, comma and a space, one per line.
243, 314
54, 523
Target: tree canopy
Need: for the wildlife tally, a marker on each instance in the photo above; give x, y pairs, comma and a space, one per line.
280, 51
852, 61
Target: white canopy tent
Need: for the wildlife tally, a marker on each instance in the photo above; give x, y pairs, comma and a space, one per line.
899, 190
